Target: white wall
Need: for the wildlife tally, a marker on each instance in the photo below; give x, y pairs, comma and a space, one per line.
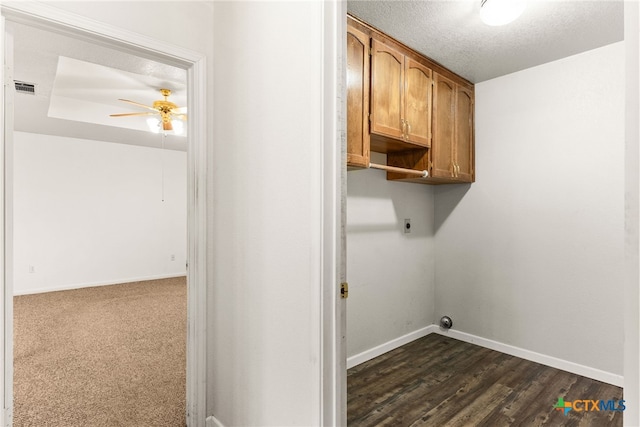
532, 254
169, 21
632, 216
91, 213
391, 274
266, 299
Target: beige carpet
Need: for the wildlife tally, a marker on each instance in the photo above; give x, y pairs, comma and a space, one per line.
102, 356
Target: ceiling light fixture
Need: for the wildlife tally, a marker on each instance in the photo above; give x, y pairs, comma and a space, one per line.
500, 12
155, 126
167, 110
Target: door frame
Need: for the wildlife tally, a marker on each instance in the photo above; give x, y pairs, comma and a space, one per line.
51, 18
334, 196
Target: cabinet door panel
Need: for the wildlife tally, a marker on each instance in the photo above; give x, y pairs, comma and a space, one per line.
357, 98
417, 101
387, 69
464, 135
443, 127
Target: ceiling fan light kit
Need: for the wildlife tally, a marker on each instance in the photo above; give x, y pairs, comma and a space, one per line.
167, 110
500, 12
155, 125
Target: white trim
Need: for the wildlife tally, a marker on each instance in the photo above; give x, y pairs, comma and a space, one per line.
213, 422
543, 359
388, 346
197, 159
332, 387
6, 233
96, 284
532, 356
46, 16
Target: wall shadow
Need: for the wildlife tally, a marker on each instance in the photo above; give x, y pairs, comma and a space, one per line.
447, 197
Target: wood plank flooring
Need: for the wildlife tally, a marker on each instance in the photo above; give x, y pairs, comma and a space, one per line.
439, 381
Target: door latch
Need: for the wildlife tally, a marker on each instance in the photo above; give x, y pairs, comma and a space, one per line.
344, 290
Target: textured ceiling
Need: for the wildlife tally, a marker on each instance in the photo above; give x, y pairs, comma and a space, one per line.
86, 85
451, 33
448, 31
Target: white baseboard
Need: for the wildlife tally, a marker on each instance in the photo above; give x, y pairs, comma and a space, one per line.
91, 285
554, 362
212, 421
388, 346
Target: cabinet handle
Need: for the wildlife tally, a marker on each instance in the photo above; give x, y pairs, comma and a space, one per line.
457, 170
408, 130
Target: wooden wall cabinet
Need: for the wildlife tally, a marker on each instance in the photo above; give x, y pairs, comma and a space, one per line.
452, 152
450, 158
400, 99
403, 104
358, 143
418, 93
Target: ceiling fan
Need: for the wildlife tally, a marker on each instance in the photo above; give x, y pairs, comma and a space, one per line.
165, 108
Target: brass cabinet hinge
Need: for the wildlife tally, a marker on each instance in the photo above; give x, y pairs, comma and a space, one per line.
344, 290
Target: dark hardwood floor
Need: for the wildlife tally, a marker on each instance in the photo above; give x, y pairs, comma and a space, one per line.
439, 381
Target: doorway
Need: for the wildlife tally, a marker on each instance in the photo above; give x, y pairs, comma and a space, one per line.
193, 64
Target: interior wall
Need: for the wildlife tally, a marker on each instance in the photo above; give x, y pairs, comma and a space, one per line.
267, 183
632, 215
90, 213
390, 273
532, 254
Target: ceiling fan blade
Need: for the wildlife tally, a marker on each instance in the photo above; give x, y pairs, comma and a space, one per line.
180, 116
137, 104
132, 114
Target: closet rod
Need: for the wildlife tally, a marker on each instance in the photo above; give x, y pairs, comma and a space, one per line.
423, 174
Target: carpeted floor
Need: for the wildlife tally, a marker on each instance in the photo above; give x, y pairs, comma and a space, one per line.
102, 356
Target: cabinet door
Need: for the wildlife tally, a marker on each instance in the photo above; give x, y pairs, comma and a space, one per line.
444, 100
358, 154
417, 101
387, 74
464, 147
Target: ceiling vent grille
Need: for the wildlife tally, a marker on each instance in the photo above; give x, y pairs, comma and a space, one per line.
24, 87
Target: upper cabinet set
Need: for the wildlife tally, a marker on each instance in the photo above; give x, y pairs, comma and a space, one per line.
407, 106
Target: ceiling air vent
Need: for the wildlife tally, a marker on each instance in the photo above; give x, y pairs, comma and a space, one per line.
26, 88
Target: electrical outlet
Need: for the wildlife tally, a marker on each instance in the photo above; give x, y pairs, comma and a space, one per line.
407, 226
173, 257
32, 269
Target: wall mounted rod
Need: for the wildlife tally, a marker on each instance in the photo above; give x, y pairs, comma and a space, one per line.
422, 174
